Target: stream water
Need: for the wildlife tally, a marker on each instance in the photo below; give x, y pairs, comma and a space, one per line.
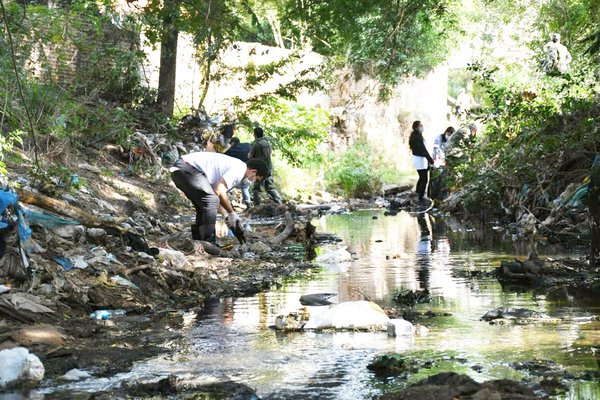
232, 340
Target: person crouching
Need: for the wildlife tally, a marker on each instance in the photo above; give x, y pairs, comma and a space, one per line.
205, 178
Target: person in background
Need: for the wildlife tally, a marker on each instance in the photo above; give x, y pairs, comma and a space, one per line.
439, 146
261, 150
205, 177
240, 151
421, 158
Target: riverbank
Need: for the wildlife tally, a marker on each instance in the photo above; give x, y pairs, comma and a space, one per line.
119, 242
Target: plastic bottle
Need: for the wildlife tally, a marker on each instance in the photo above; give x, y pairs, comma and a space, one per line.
106, 314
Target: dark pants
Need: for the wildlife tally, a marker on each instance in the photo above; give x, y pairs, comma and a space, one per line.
422, 182
270, 189
196, 187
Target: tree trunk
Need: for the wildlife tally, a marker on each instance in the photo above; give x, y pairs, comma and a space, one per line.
593, 202
168, 59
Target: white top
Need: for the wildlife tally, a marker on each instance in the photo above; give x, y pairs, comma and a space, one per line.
218, 166
420, 162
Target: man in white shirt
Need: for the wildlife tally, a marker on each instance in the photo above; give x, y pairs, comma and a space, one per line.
205, 178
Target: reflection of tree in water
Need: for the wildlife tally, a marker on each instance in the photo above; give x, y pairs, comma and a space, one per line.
424, 251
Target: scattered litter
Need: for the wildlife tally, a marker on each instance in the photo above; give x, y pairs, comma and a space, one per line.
106, 314
118, 279
64, 262
28, 302
171, 257
4, 289
80, 263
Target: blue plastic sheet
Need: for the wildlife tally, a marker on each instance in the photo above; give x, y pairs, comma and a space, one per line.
47, 220
64, 262
6, 199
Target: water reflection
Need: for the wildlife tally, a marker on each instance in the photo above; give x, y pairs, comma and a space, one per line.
232, 339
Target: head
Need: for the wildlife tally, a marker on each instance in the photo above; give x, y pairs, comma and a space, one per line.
256, 170
555, 37
234, 140
417, 126
449, 131
473, 128
228, 130
258, 132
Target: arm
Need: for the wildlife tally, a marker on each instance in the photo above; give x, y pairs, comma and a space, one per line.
221, 192
423, 151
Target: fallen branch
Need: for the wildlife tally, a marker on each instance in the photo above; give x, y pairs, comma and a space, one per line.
289, 228
62, 208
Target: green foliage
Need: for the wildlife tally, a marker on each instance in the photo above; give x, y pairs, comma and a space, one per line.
7, 142
296, 131
359, 172
541, 135
387, 39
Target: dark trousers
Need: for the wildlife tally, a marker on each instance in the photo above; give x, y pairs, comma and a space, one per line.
269, 185
196, 187
422, 182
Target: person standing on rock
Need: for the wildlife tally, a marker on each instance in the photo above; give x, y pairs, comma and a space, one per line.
205, 178
261, 150
421, 158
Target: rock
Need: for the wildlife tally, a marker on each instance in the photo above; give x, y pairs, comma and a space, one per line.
19, 365
388, 365
354, 315
400, 327
259, 248
96, 233
410, 298
511, 313
393, 189
75, 375
317, 299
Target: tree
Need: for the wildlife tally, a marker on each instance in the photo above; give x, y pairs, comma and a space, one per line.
387, 39
168, 57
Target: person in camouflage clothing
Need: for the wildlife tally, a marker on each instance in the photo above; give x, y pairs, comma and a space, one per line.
261, 149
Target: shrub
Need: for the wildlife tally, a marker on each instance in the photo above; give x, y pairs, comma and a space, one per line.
358, 172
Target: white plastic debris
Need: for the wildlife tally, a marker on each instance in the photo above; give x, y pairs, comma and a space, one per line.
18, 364
334, 257
360, 315
75, 375
173, 258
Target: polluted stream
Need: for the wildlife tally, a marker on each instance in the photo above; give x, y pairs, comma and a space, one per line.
232, 340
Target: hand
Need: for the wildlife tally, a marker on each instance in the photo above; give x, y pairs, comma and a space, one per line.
232, 219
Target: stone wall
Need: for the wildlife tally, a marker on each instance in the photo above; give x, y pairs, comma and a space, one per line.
353, 103
358, 113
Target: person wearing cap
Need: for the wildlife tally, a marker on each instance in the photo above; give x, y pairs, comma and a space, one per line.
261, 150
205, 178
240, 151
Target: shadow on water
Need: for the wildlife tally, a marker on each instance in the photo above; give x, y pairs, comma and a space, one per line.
232, 339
